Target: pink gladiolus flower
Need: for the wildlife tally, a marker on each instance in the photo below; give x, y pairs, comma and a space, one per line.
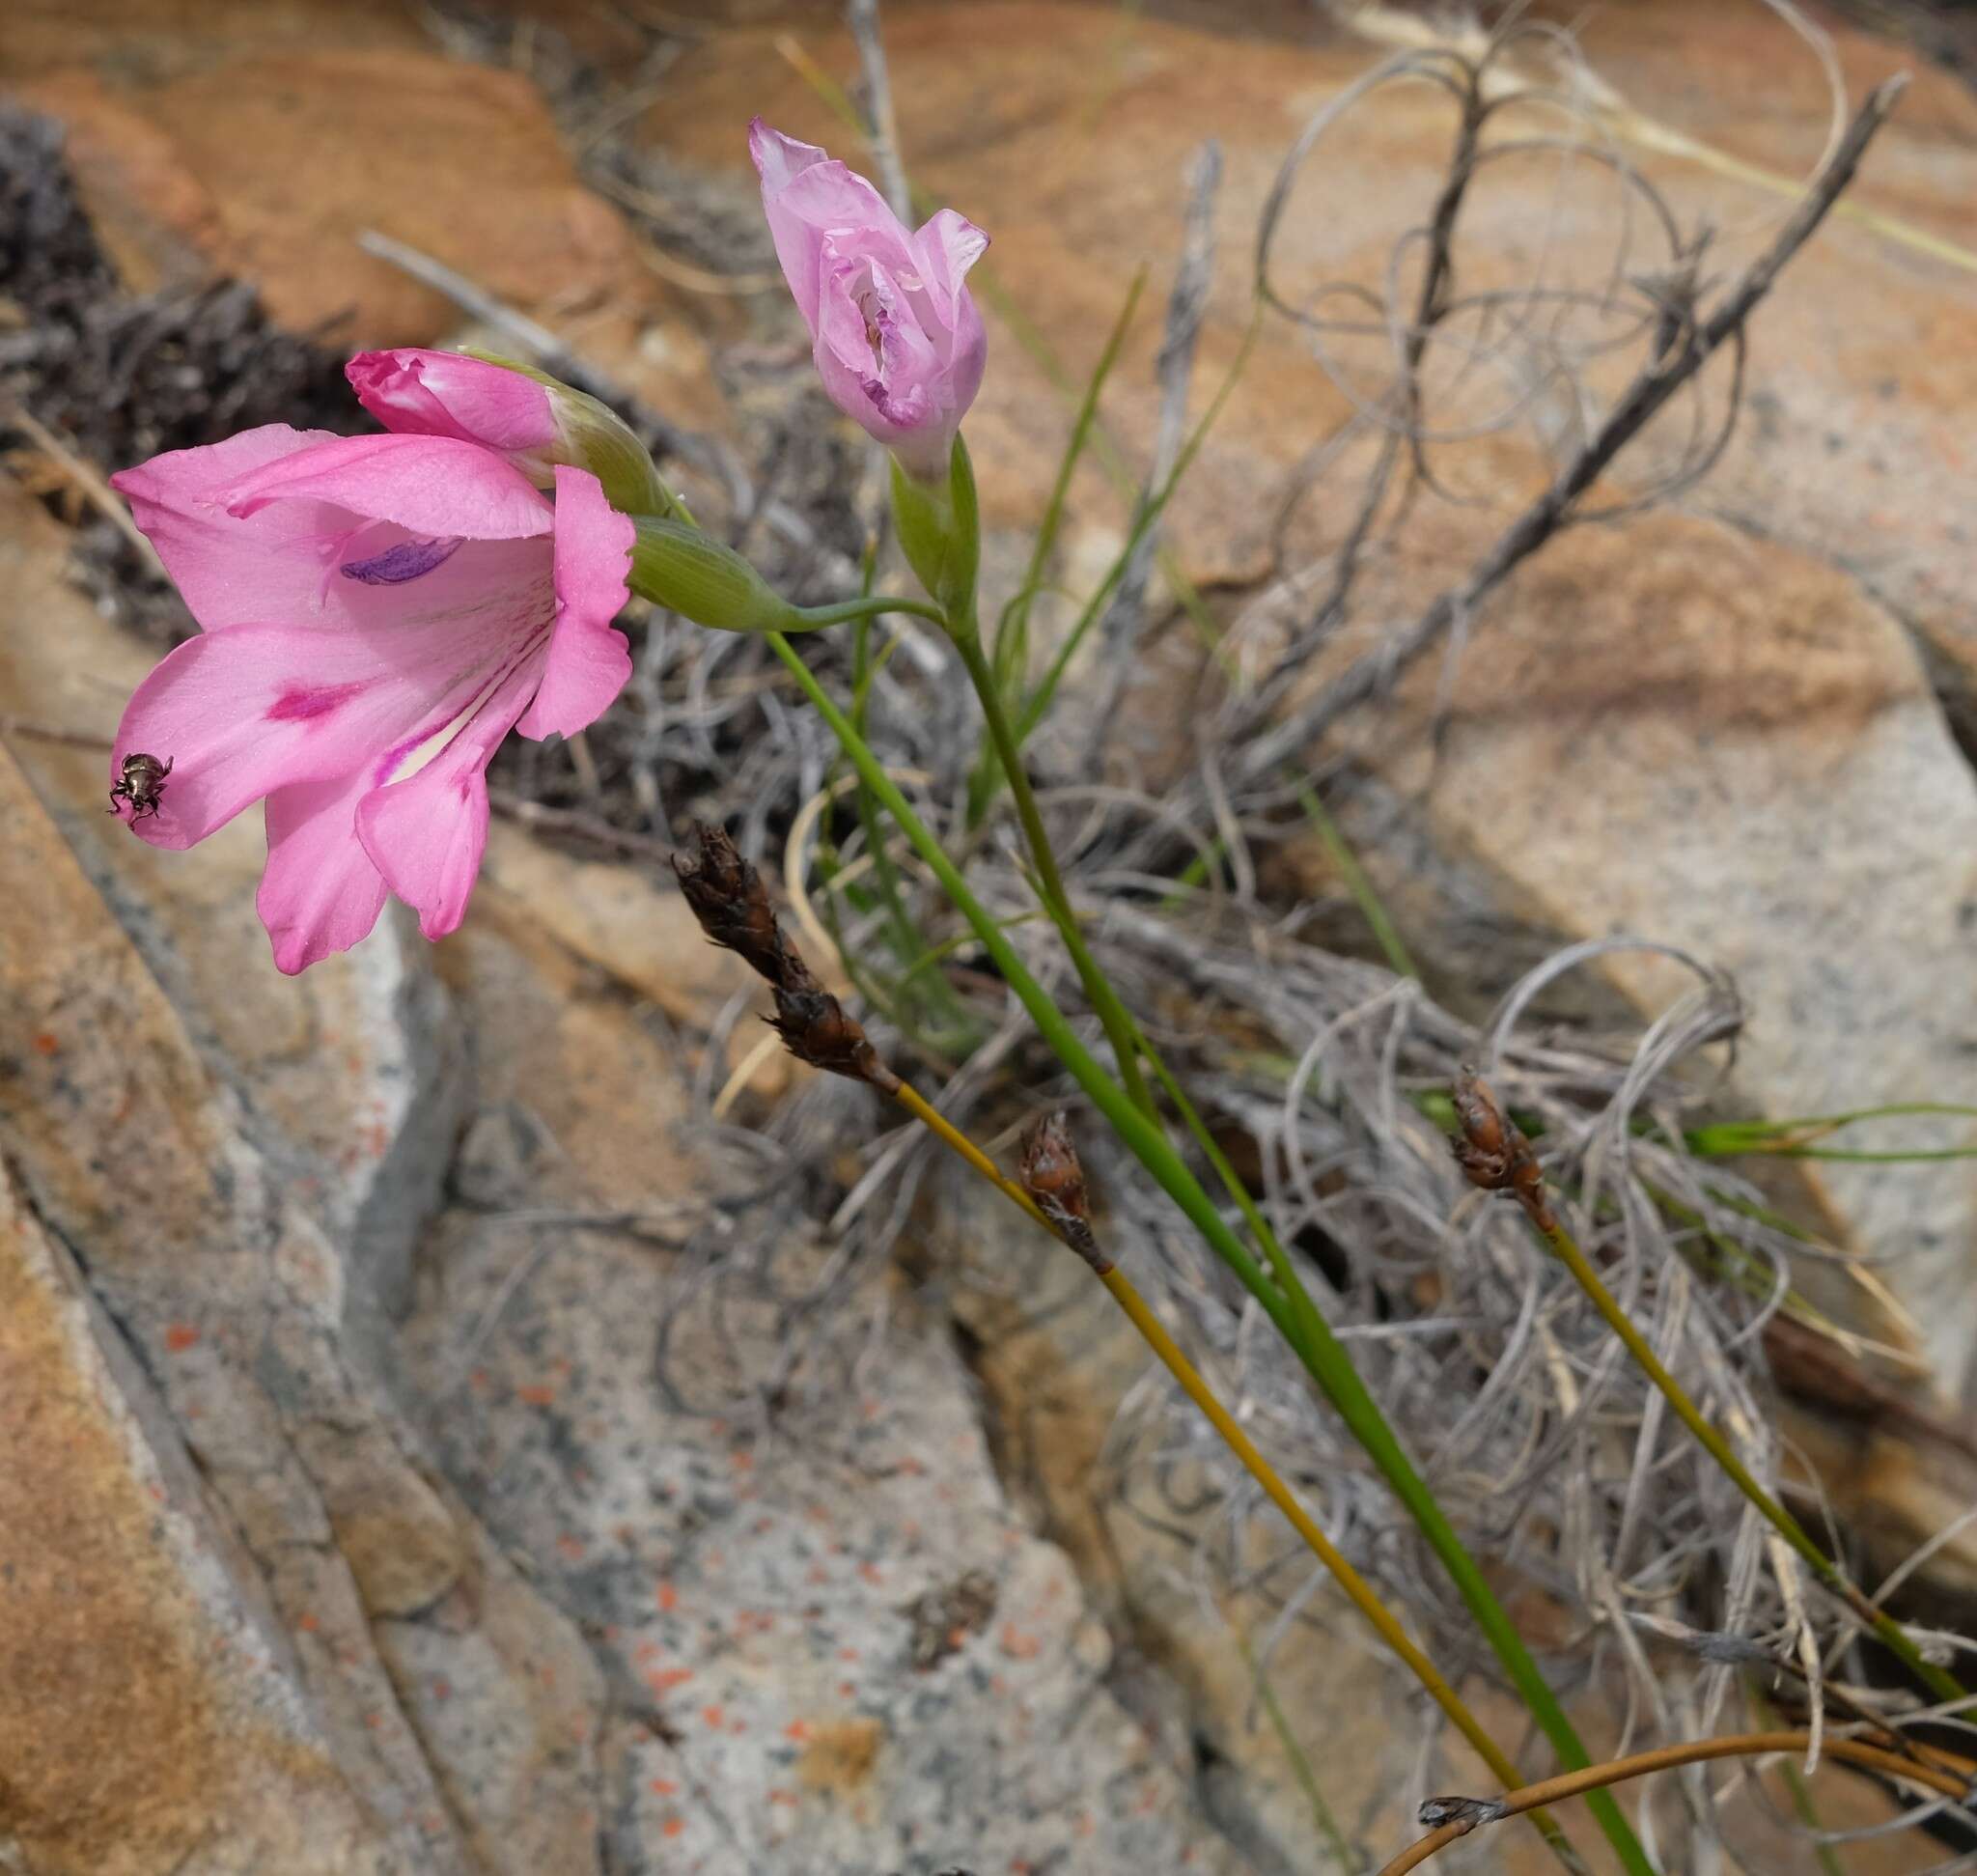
378, 612
898, 340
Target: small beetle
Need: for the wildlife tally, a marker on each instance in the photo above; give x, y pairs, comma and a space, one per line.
142, 783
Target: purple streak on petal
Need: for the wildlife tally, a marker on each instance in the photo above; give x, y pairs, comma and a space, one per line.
298, 706
408, 560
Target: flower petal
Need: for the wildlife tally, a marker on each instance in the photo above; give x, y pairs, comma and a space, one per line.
426, 834
947, 245
242, 712
778, 159
417, 392
229, 571
435, 485
589, 663
320, 893
807, 196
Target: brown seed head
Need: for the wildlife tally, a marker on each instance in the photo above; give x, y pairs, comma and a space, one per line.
732, 903
1491, 1149
1055, 1179
815, 1029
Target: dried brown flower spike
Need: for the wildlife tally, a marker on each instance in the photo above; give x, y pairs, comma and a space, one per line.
817, 1029
728, 899
1054, 1178
1496, 1156
733, 906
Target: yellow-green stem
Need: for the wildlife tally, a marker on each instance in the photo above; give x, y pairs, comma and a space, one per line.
1565, 1248
1154, 1333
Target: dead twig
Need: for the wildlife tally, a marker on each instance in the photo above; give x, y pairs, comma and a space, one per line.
1688, 348
883, 137
1457, 1817
84, 475
574, 824
1174, 367
11, 725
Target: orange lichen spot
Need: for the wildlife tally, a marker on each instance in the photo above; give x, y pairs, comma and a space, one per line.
778, 1796
848, 1654
713, 1715
797, 1730
571, 1544
662, 1680
442, 1689
871, 1573
1019, 1645
663, 1787
45, 1044
181, 1337
537, 1394
742, 1459
673, 1826
669, 1598
307, 1623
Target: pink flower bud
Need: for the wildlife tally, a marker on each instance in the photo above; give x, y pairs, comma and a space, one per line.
898, 340
534, 420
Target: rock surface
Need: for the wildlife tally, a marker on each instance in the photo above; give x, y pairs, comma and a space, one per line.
340, 1302
748, 1512
653, 1637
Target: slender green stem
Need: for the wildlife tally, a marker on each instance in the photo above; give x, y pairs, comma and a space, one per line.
928, 991
1120, 1031
1321, 1816
1323, 1356
1011, 652
1802, 1802
1386, 934
1303, 1308
1565, 1246
870, 607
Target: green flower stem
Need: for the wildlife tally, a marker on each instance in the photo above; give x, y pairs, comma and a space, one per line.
1120, 1031
1565, 1248
875, 605
933, 994
1323, 1356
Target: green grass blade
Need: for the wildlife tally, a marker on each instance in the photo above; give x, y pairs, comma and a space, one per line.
1385, 933
1336, 1842
1038, 701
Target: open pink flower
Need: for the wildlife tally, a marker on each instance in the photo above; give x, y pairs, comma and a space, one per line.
897, 339
378, 612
